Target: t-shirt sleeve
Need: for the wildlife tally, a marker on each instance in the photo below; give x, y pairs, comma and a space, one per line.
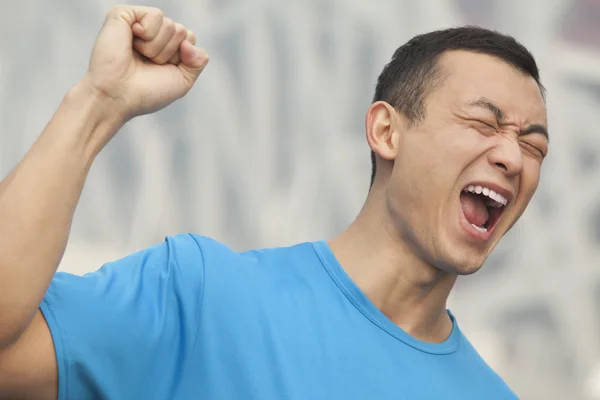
127, 330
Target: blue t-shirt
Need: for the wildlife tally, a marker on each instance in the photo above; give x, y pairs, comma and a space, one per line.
192, 319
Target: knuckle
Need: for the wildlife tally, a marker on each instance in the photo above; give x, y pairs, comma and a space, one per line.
168, 25
156, 12
191, 37
180, 31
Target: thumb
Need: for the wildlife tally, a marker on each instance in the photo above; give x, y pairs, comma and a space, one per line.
193, 61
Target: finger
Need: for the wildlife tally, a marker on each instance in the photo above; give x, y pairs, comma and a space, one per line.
154, 47
193, 62
191, 37
145, 22
172, 47
176, 59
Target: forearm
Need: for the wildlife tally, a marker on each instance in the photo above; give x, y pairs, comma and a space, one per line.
37, 202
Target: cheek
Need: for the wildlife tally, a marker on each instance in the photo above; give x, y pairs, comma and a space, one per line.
437, 152
429, 163
530, 179
422, 179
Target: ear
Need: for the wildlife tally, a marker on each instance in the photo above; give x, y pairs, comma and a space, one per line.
383, 128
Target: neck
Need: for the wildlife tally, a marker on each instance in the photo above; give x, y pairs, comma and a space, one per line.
406, 288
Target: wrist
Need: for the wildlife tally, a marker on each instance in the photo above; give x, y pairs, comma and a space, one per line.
102, 117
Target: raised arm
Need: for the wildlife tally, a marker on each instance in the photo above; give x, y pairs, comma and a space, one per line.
141, 62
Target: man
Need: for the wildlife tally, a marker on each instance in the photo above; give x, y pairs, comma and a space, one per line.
458, 134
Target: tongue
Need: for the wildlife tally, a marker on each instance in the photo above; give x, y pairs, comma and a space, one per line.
474, 209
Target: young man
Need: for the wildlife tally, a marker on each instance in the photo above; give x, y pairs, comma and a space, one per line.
458, 134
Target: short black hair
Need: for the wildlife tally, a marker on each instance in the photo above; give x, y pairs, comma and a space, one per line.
413, 71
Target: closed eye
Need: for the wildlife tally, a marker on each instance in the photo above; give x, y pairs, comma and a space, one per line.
533, 149
485, 125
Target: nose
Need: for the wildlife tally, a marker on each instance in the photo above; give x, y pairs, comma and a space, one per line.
507, 156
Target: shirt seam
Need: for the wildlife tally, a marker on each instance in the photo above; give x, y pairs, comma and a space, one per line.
189, 359
61, 335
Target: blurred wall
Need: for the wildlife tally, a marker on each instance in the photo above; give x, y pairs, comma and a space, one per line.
268, 150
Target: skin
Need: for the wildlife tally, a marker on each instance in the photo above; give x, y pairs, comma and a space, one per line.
141, 62
407, 247
407, 234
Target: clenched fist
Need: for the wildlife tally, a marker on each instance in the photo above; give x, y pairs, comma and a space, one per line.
143, 61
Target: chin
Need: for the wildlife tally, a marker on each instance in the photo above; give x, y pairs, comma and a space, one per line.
466, 268
462, 261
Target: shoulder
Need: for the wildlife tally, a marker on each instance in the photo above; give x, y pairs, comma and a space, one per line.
262, 270
220, 255
194, 257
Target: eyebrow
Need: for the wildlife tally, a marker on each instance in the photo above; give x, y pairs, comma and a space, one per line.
490, 106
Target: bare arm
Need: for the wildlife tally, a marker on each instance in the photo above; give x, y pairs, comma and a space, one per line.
39, 197
28, 368
37, 203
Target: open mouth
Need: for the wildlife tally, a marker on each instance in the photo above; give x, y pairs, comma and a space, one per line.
482, 207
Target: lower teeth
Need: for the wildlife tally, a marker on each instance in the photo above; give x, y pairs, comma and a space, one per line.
480, 229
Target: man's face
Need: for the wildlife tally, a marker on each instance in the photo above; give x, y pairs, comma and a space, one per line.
463, 176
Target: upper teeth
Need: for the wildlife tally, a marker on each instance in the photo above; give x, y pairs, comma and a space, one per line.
497, 197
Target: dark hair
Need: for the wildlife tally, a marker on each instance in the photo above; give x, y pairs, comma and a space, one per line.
413, 71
